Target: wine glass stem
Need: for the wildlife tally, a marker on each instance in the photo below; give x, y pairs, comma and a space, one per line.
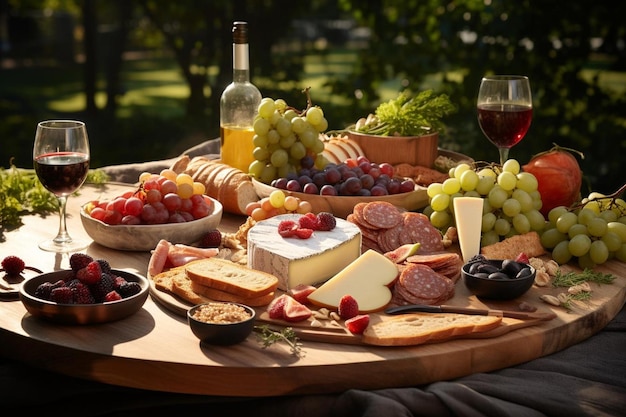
504, 155
62, 236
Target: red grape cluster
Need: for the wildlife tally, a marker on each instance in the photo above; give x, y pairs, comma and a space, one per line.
354, 177
161, 198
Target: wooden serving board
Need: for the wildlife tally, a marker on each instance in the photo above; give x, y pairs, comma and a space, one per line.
331, 331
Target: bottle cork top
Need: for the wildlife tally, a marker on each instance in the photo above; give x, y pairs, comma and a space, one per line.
240, 32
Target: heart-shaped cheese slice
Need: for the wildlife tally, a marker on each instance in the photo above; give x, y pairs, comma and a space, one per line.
367, 279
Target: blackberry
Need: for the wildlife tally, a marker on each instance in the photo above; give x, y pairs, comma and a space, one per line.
100, 289
129, 289
79, 261
62, 295
105, 267
73, 282
43, 290
82, 295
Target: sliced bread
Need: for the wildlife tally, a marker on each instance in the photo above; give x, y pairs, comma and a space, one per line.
165, 281
420, 328
233, 278
219, 295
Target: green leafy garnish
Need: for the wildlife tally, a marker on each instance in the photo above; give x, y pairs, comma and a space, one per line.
21, 193
268, 337
409, 115
570, 279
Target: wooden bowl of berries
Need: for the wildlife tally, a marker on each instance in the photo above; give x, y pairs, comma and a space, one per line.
88, 293
339, 187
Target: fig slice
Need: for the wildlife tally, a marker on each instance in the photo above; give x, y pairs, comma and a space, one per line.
402, 252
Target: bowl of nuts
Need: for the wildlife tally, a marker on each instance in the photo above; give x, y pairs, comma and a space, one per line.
497, 279
221, 323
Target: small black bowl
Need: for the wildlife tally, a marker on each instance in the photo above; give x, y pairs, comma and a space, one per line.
497, 289
228, 333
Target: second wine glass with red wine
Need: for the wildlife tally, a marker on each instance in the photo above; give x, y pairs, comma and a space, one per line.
61, 160
505, 110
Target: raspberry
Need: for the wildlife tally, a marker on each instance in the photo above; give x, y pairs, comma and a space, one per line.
348, 307
79, 261
358, 324
62, 295
101, 288
104, 266
212, 239
287, 228
112, 296
309, 221
13, 265
129, 289
303, 233
90, 274
82, 295
326, 221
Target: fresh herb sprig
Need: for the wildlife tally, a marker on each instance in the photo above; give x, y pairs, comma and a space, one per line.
409, 115
21, 193
267, 337
569, 279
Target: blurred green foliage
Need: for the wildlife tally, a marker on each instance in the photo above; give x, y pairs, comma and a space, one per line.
574, 54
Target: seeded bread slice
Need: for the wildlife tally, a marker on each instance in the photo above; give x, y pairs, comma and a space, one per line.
230, 277
419, 328
509, 248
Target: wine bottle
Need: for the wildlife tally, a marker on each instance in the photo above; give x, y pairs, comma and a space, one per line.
238, 106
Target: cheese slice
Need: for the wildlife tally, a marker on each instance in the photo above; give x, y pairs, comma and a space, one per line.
468, 213
302, 261
367, 280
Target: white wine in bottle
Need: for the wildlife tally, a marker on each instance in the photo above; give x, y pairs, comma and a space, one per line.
238, 106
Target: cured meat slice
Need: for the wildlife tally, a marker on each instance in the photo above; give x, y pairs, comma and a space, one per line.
389, 239
435, 259
382, 214
417, 228
421, 284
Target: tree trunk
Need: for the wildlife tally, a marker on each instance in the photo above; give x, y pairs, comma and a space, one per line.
113, 64
90, 68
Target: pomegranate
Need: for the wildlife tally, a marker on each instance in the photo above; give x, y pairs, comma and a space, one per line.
559, 176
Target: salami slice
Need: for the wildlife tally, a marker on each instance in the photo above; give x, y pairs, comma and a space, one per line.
382, 214
417, 228
388, 239
435, 259
424, 283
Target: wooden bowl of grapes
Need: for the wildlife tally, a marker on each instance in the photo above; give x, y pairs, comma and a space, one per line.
338, 188
145, 237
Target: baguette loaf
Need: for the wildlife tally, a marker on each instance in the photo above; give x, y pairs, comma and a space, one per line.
230, 186
420, 328
509, 248
230, 277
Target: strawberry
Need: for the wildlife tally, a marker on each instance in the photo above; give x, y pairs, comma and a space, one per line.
522, 258
358, 323
303, 233
348, 307
276, 309
309, 221
287, 228
326, 221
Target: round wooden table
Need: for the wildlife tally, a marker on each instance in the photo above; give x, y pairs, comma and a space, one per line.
155, 349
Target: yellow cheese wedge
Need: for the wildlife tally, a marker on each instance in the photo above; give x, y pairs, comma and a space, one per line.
367, 279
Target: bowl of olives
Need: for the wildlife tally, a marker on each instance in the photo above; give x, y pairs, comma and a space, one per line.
497, 279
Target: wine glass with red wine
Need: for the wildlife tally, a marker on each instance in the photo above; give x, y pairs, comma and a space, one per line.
61, 160
505, 110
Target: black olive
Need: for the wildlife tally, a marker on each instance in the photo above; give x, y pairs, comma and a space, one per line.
481, 275
498, 275
511, 267
487, 268
473, 268
524, 272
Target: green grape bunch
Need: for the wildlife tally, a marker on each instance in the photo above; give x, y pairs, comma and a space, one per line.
511, 200
285, 139
590, 232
